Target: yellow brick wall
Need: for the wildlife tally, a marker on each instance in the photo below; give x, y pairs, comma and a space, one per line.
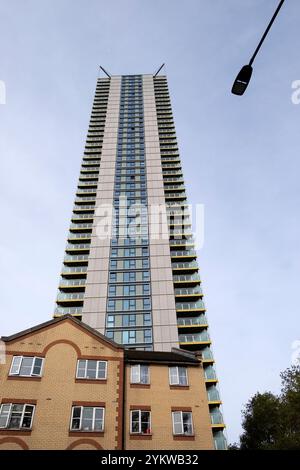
161, 398
57, 389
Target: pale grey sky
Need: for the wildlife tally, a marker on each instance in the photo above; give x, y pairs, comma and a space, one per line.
240, 158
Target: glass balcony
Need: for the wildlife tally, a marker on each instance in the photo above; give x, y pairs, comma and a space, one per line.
186, 278
213, 394
89, 164
76, 258
186, 265
68, 310
72, 283
192, 321
183, 254
84, 184
216, 417
74, 270
80, 226
175, 196
196, 338
190, 291
207, 354
86, 191
78, 246
210, 373
79, 236
84, 207
90, 168
220, 440
70, 296
79, 217
199, 305
84, 199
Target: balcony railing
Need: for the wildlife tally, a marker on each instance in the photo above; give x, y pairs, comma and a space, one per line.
71, 296
210, 373
79, 217
188, 291
73, 236
80, 226
192, 321
183, 253
196, 338
213, 394
186, 277
186, 265
190, 305
78, 246
83, 207
216, 417
76, 257
74, 269
72, 282
68, 310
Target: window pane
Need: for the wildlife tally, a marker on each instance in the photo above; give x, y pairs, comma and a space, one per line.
145, 422
27, 419
87, 419
26, 366
102, 370
91, 369
81, 369
135, 374
187, 423
16, 365
15, 417
37, 369
177, 422
173, 375
144, 374
4, 415
99, 414
76, 418
135, 421
182, 375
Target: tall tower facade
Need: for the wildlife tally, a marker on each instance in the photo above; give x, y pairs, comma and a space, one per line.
130, 268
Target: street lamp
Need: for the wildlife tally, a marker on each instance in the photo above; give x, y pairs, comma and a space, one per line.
243, 77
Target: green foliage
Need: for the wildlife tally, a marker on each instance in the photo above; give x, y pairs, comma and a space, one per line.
273, 422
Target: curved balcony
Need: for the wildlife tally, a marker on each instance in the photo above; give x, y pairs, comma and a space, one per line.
213, 395
82, 217
81, 227
79, 236
216, 418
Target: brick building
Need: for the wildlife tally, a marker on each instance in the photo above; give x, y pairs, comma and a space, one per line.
64, 385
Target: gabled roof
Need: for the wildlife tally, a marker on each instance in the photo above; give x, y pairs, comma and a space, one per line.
68, 317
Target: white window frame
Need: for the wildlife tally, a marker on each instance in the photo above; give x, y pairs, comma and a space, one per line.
139, 374
85, 370
140, 421
181, 419
20, 364
80, 419
177, 376
22, 416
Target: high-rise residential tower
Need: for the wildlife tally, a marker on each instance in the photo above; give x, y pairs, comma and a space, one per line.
130, 269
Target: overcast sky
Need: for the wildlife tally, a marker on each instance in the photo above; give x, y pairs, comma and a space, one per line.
240, 158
